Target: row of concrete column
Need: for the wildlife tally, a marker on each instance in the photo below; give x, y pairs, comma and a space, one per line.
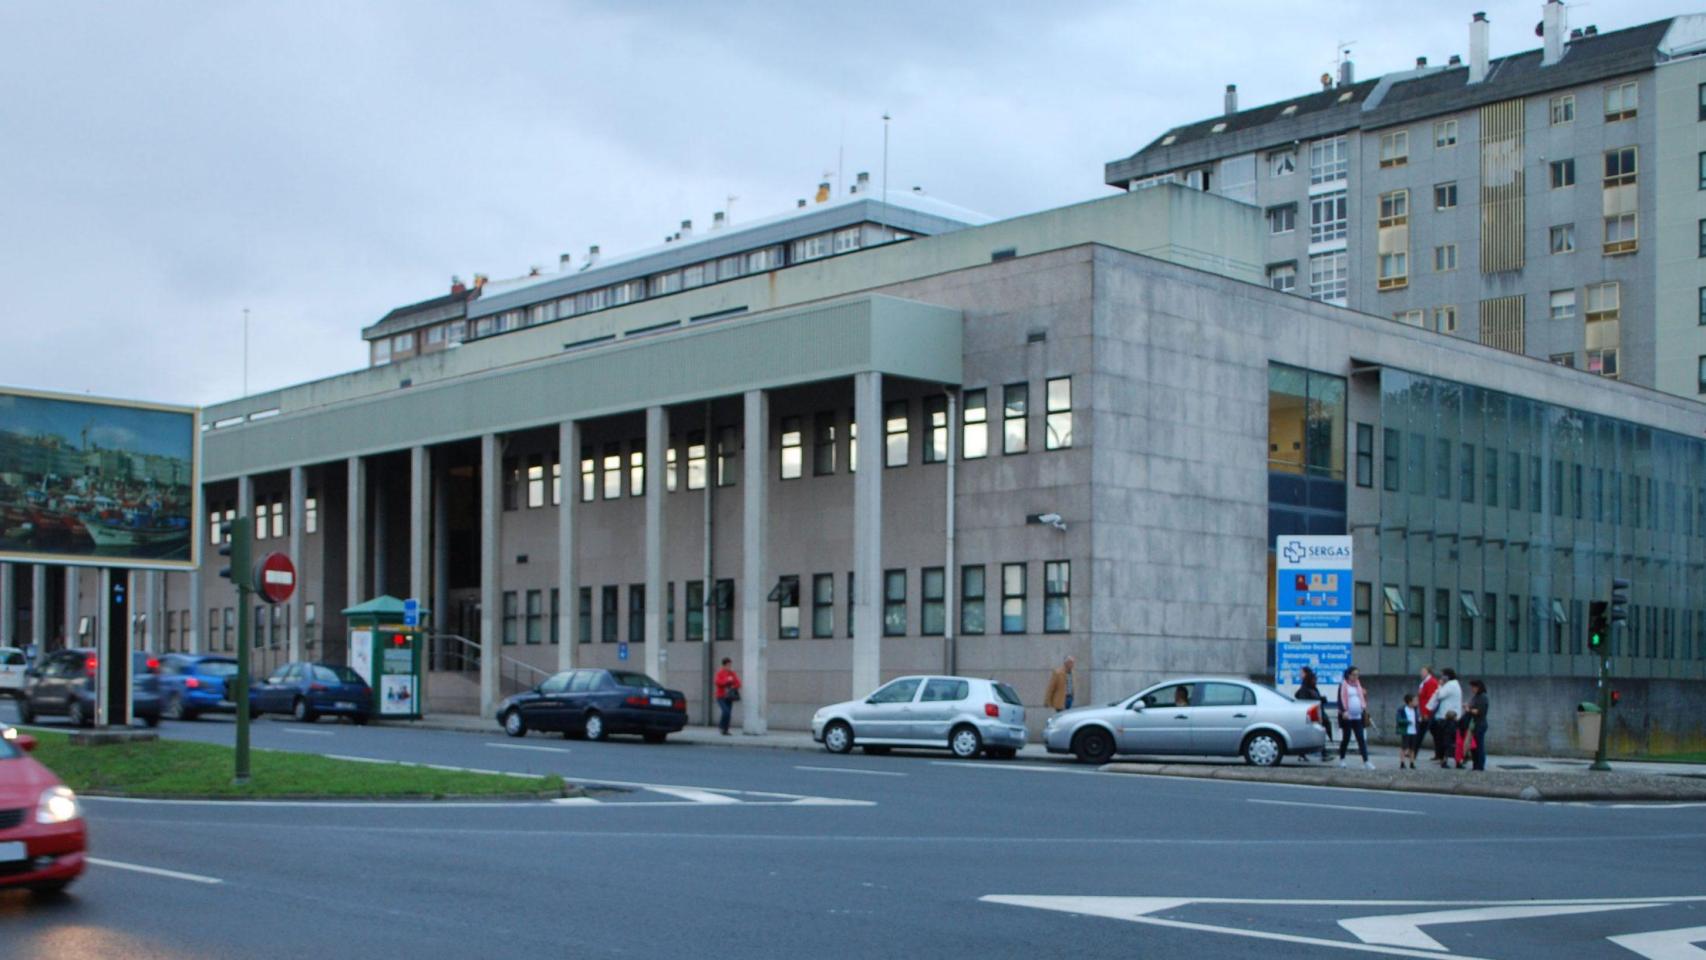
146, 595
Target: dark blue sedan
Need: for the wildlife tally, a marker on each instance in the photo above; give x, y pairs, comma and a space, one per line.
193, 684
308, 691
594, 703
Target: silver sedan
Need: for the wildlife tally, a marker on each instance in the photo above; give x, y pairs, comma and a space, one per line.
1203, 716
966, 715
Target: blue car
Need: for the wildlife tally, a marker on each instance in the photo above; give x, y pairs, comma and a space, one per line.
308, 691
193, 684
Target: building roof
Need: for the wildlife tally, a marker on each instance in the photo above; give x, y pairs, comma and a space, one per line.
1406, 96
446, 307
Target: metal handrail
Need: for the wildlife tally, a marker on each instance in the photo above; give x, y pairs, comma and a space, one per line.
510, 679
447, 651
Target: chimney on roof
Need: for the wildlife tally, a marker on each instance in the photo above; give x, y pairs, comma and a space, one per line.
1347, 72
1591, 31
718, 219
1326, 81
800, 203
1576, 34
1478, 40
563, 262
862, 182
479, 281
533, 270
457, 287
1231, 99
1421, 63
1552, 32
917, 189
823, 192
591, 256
686, 230
1455, 61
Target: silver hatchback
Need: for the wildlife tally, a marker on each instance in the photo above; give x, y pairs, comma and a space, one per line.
1204, 716
965, 715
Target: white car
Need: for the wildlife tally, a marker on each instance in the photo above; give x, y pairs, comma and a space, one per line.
12, 666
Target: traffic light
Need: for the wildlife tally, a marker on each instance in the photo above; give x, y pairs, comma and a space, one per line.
234, 543
1619, 600
1599, 624
1615, 697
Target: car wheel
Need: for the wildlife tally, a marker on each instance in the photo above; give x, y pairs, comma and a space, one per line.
655, 737
1001, 753
1263, 749
838, 737
152, 720
875, 751
52, 888
174, 708
359, 719
594, 726
1093, 745
77, 716
965, 742
302, 712
254, 714
513, 724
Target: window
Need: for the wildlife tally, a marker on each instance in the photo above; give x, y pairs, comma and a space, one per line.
793, 458
1703, 238
535, 615
851, 597
1394, 270
1564, 109
1329, 217
1362, 600
637, 468
1445, 257
933, 584
1702, 171
945, 691
695, 460
971, 599
1014, 436
1620, 167
974, 430
823, 605
381, 352
811, 248
557, 480
896, 434
1445, 195
589, 477
1442, 618
612, 471
728, 444
1395, 148
1700, 377
1702, 94
435, 334
1329, 160
846, 240
823, 444
1445, 133
535, 481
1282, 163
1564, 359
1391, 454
894, 603
1445, 319
607, 615
1563, 173
1413, 626
852, 442
1564, 304
1058, 423
1329, 277
1057, 596
1621, 101
670, 461
1409, 317
694, 600
511, 615
1284, 219
788, 608
899, 691
1283, 277
1395, 208
1563, 238
1012, 598
935, 429
556, 616
636, 613
261, 526
1466, 473
1620, 234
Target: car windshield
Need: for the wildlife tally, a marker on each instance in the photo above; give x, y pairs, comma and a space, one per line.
217, 668
343, 674
625, 678
1007, 695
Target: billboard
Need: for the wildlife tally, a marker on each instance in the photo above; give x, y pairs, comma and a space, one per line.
98, 482
1314, 610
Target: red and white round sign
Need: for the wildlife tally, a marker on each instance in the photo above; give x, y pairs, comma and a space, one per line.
275, 578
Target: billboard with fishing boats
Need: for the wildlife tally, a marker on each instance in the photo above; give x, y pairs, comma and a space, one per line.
99, 482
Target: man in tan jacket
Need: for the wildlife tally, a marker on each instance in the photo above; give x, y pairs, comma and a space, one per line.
1059, 695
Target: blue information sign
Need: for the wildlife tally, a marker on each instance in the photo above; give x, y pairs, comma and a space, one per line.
1313, 609
622, 650
411, 612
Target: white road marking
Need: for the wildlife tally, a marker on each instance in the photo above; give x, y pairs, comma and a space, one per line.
527, 746
1334, 806
1405, 929
305, 733
1665, 944
695, 795
436, 766
152, 871
868, 773
575, 801
1032, 767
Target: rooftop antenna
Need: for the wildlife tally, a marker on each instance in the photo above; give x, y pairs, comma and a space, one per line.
841, 158
1341, 54
245, 351
885, 164
728, 207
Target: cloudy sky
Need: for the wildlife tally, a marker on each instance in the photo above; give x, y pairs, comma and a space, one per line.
165, 165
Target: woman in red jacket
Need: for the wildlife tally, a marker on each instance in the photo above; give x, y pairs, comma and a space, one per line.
728, 691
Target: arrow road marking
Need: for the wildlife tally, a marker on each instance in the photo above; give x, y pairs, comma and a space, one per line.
153, 871
1405, 929
1665, 944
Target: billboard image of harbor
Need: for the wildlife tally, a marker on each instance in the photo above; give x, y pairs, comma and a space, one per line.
96, 481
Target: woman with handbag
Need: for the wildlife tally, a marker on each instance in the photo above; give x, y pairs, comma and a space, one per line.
728, 693
1309, 689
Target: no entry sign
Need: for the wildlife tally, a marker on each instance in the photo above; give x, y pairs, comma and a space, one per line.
275, 578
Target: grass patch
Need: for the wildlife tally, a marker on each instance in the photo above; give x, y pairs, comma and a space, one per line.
1693, 756
178, 768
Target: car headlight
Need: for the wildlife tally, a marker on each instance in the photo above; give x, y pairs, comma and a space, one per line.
10, 733
57, 805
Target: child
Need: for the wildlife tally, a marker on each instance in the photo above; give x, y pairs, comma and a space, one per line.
1409, 725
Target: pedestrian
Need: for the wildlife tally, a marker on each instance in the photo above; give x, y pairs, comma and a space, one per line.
1446, 704
1353, 714
1060, 696
1309, 689
1477, 712
1409, 726
1424, 695
728, 693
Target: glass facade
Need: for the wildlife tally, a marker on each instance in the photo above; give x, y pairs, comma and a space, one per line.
1503, 500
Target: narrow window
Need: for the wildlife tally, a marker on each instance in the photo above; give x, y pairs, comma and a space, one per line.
670, 463
669, 611
1442, 618
535, 613
1012, 598
556, 479
935, 429
823, 605
1415, 625
1058, 434
1057, 596
974, 433
725, 610
260, 527
583, 614
1563, 173
823, 444
696, 460
793, 457
894, 603
608, 613
933, 614
511, 613
556, 615
971, 599
1563, 109
788, 608
1013, 410
1392, 607
728, 445
1445, 195
1363, 609
896, 434
612, 471
694, 601
589, 476
637, 469
1365, 455
1391, 454
636, 613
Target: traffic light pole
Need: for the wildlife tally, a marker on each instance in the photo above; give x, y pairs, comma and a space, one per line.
241, 575
1599, 762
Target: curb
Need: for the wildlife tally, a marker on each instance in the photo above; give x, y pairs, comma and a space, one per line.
1499, 785
543, 796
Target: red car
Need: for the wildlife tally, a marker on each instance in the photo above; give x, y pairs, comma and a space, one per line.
42, 836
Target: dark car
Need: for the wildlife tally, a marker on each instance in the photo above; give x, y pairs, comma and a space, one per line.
307, 691
63, 685
594, 703
193, 684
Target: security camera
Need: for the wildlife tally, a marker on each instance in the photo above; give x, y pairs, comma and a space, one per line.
1051, 519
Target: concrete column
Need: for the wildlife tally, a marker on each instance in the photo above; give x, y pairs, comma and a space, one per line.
440, 558
71, 639
355, 547
754, 588
420, 519
568, 572
298, 599
381, 541
8, 608
657, 438
197, 626
38, 607
246, 497
868, 534
153, 590
491, 593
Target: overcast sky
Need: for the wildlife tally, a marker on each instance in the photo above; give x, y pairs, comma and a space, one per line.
165, 165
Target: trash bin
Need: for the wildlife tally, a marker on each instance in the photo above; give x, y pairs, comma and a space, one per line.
1588, 719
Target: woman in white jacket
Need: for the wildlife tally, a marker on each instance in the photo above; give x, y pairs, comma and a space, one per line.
1446, 705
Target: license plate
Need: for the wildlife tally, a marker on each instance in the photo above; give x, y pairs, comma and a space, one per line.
346, 705
662, 702
12, 851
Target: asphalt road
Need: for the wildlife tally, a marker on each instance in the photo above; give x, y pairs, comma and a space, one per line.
742, 852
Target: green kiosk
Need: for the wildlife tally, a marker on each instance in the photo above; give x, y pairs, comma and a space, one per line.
387, 654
